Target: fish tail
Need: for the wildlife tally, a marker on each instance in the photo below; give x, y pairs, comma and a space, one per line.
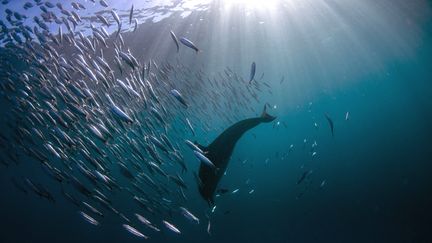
265, 116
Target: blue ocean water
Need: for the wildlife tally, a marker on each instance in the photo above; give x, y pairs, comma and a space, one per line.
370, 182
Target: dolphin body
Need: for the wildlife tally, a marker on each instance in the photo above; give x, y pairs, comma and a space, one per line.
219, 152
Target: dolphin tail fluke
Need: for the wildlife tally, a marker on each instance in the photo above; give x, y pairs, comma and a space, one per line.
265, 116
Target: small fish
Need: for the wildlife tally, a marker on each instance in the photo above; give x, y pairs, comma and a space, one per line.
146, 222
178, 180
303, 176
235, 191
179, 97
116, 17
142, 219
252, 72
204, 159
189, 215
134, 231
28, 5
171, 227
347, 116
282, 79
131, 14
190, 126
49, 5
103, 20
60, 34
121, 114
136, 25
103, 3
322, 183
208, 227
331, 124
94, 210
174, 37
89, 218
189, 44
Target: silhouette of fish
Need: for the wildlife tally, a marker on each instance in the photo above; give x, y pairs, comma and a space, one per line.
220, 150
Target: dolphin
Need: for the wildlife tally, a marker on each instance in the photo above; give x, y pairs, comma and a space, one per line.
219, 153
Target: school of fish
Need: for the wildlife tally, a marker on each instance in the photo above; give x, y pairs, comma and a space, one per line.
100, 120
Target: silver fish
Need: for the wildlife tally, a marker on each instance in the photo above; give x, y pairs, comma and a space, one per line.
103, 3
204, 159
89, 218
131, 14
134, 231
189, 44
252, 72
189, 215
121, 114
174, 37
193, 146
171, 227
179, 97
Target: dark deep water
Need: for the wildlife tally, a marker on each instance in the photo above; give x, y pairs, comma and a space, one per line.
376, 168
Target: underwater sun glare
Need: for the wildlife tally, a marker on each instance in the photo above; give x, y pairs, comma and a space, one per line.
251, 4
